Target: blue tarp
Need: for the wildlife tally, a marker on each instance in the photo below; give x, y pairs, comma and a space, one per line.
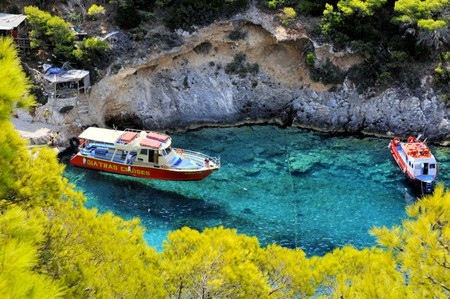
53, 70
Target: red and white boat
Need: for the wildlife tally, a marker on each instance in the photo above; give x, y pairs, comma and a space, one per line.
416, 161
142, 154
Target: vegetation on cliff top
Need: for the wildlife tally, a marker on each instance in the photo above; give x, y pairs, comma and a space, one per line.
401, 40
50, 241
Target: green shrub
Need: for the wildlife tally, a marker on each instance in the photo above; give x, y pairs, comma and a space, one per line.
442, 75
327, 73
38, 94
91, 51
50, 32
95, 10
310, 59
385, 78
289, 16
239, 67
446, 97
274, 4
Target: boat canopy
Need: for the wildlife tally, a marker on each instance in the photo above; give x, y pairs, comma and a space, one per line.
101, 135
128, 139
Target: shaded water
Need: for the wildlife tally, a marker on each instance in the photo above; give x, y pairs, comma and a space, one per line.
292, 187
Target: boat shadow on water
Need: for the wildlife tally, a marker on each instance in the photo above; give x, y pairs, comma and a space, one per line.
131, 197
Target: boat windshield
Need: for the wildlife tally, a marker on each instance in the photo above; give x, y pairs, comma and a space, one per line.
166, 151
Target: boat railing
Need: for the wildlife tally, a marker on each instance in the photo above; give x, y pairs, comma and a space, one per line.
100, 144
200, 157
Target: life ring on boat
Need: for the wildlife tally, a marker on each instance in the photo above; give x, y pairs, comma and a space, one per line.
179, 151
74, 142
396, 140
411, 139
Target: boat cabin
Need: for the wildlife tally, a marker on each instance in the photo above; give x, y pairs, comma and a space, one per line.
139, 148
419, 160
150, 147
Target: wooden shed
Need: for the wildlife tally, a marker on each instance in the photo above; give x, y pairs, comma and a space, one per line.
13, 26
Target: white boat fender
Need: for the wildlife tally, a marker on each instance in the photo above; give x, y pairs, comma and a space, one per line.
84, 160
129, 168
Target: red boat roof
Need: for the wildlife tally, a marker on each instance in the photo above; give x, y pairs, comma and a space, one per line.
150, 143
128, 137
416, 150
158, 136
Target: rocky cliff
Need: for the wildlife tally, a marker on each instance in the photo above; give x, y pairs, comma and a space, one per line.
267, 81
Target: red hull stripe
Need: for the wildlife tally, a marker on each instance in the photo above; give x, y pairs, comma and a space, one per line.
139, 171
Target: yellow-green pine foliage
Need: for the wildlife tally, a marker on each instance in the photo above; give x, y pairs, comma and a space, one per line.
217, 263
95, 10
361, 7
89, 255
101, 256
21, 235
50, 32
333, 16
289, 15
423, 11
421, 247
13, 82
38, 20
13, 93
351, 273
288, 272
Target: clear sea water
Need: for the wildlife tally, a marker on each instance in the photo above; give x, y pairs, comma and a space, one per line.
292, 187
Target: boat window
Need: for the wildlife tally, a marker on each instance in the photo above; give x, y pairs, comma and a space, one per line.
168, 150
143, 151
432, 166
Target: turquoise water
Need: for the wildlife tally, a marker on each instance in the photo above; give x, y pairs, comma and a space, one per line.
292, 187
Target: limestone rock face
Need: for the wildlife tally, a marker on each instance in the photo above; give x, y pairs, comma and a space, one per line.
394, 111
260, 77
